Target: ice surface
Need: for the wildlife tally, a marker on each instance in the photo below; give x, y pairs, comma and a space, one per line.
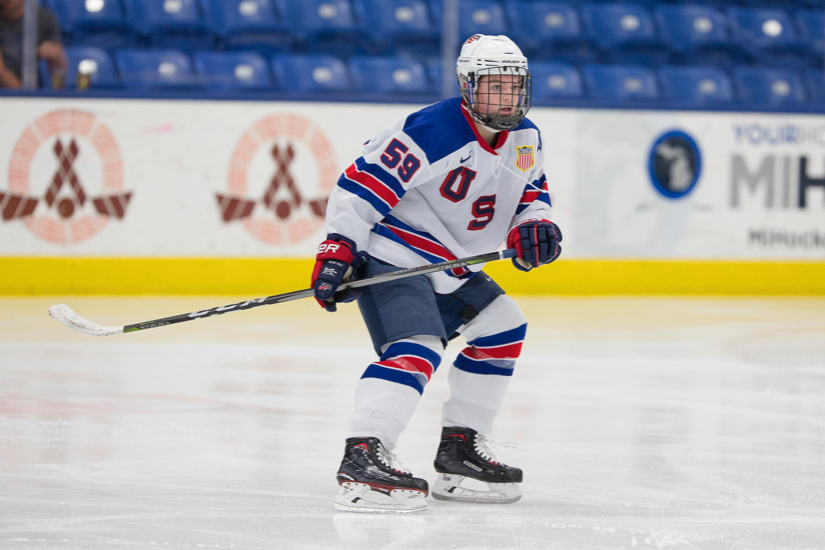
642, 423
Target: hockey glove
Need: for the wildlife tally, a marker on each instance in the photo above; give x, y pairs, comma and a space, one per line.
536, 243
337, 257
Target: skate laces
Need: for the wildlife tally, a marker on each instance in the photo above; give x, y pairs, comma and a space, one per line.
389, 459
484, 444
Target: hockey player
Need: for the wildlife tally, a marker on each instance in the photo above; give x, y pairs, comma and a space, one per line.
454, 179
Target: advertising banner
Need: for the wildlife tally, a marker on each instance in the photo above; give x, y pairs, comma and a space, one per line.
178, 179
699, 185
174, 178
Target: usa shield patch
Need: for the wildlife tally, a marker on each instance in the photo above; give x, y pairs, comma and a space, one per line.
525, 160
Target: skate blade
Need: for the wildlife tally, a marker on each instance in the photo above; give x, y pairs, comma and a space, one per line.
359, 497
464, 489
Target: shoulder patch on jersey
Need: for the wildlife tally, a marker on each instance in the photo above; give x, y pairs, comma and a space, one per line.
440, 129
525, 159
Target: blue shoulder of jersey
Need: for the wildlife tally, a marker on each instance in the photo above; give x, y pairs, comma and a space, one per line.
439, 129
527, 124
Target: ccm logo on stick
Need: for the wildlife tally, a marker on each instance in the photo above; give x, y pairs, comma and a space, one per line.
328, 248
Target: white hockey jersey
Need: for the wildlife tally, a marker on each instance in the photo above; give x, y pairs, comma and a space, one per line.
429, 188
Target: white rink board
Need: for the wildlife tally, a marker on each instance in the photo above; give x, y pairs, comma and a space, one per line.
175, 157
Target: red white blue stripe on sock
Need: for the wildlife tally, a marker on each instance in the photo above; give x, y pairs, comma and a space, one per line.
405, 363
495, 354
420, 242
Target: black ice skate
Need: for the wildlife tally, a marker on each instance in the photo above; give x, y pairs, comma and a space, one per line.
468, 471
373, 480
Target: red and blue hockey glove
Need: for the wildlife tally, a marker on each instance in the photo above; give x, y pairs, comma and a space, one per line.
337, 257
536, 243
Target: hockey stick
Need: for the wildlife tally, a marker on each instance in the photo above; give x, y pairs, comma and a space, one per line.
64, 314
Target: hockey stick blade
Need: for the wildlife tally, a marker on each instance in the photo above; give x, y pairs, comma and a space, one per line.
65, 315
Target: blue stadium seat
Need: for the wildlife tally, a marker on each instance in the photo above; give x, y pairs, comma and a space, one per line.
401, 26
100, 23
480, 17
625, 32
226, 71
172, 24
388, 75
812, 30
620, 82
154, 69
436, 75
310, 73
700, 35
649, 4
328, 26
695, 85
548, 30
258, 25
96, 63
815, 79
784, 4
435, 7
555, 80
770, 32
768, 86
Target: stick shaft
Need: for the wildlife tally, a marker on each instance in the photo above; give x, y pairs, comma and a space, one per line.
298, 294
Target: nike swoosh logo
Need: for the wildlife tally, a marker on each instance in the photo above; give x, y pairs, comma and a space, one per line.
468, 158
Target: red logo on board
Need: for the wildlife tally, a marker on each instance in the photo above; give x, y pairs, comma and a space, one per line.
280, 176
65, 178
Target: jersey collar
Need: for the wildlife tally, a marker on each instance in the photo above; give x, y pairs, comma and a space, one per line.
501, 138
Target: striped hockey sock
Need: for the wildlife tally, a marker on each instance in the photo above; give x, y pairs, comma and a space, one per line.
481, 374
390, 388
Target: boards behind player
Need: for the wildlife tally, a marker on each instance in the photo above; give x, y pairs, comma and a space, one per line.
456, 178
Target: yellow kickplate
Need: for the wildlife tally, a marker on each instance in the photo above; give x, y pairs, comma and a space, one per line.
261, 277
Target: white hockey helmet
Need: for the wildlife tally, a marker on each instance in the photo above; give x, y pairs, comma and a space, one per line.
483, 55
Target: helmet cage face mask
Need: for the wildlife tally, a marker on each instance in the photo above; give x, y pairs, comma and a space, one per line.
491, 103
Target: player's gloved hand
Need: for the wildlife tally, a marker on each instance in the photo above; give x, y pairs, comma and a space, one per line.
337, 257
536, 243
